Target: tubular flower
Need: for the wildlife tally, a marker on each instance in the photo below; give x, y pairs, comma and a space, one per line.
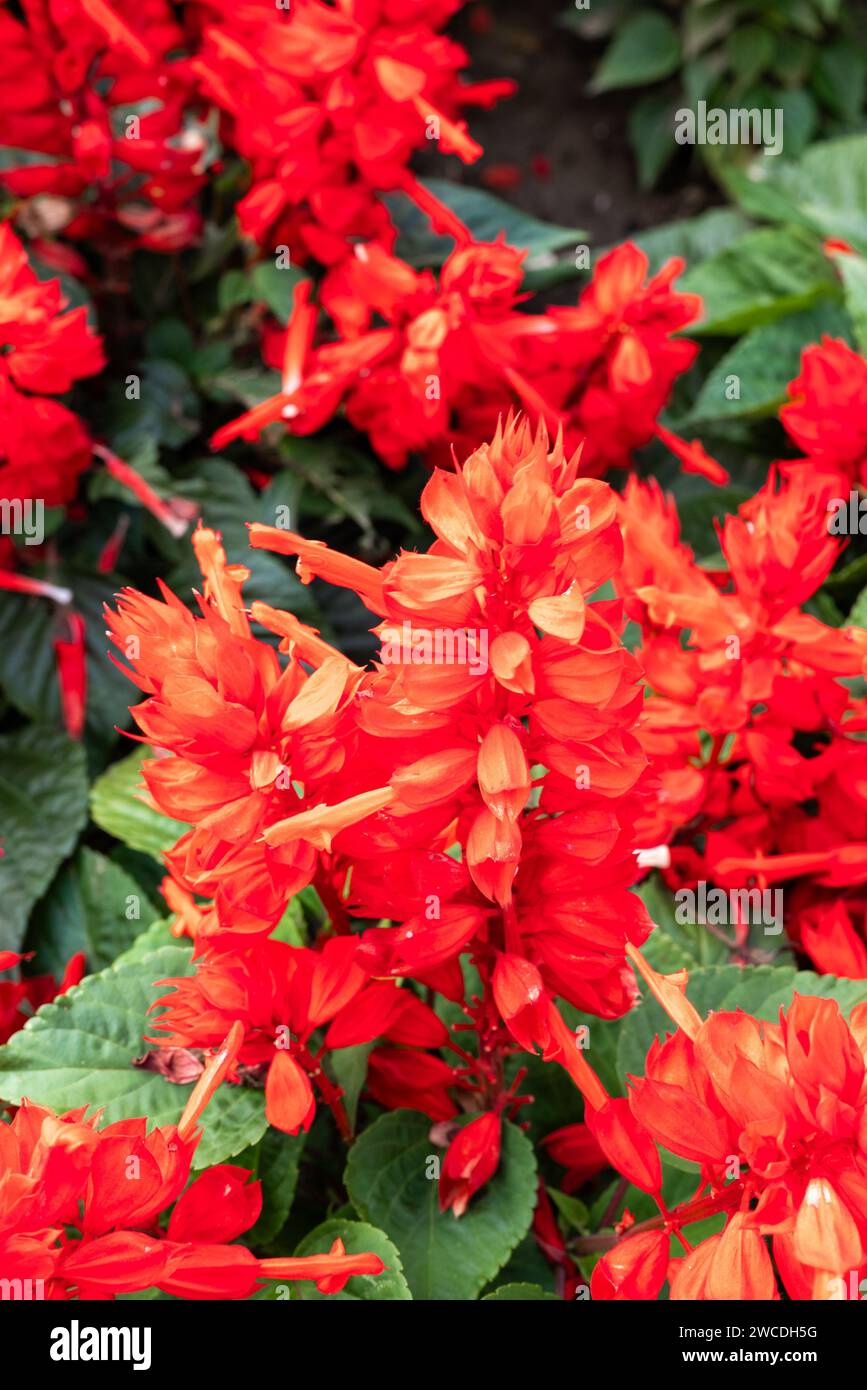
281, 995
606, 368
471, 1160
80, 1208
400, 384
93, 171
826, 414
328, 103
261, 759
455, 356
32, 992
516, 746
44, 348
773, 1115
777, 794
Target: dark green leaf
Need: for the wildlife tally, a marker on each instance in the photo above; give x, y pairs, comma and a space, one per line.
443, 1258
43, 807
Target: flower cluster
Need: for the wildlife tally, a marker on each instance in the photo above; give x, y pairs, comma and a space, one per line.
456, 353
44, 348
477, 800
81, 1208
328, 103
754, 741
100, 114
772, 1114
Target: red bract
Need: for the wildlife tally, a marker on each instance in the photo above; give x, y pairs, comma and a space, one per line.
827, 411
480, 801
471, 1160
454, 356
606, 368
44, 348
257, 749
34, 991
328, 103
80, 1208
520, 749
778, 793
282, 995
772, 1114
96, 170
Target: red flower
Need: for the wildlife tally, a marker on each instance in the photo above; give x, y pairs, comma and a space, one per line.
79, 1208
471, 1160
328, 104
33, 991
43, 350
772, 1115
778, 793
457, 355
73, 70
261, 758
827, 411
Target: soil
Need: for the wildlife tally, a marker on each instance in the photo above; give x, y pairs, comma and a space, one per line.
570, 148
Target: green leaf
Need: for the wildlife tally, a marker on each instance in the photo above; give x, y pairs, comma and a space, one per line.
826, 190
840, 79
116, 805
166, 411
764, 361
444, 1258
275, 1161
853, 270
651, 135
673, 946
765, 275
761, 990
485, 215
359, 1238
86, 910
43, 807
349, 1065
519, 1293
645, 49
572, 1209
858, 612
79, 1050
694, 238
27, 622
228, 502
275, 286
750, 50
799, 119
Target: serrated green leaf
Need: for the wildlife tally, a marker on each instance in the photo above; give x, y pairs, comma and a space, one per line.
116, 805
93, 906
750, 381
349, 1065
30, 623
43, 807
519, 1293
765, 275
675, 946
645, 49
825, 190
79, 1050
359, 1238
275, 1161
443, 1258
694, 239
853, 270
